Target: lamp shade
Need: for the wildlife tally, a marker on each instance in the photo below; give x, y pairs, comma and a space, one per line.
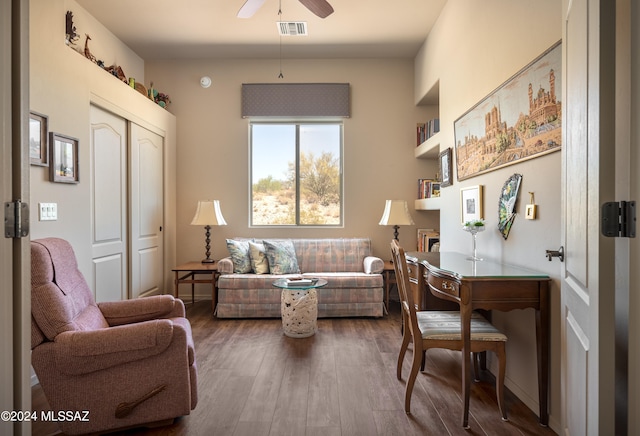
396, 213
208, 213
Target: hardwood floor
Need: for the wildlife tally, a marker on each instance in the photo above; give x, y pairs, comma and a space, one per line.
253, 381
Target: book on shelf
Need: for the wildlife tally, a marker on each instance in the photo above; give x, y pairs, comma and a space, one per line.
427, 239
428, 188
427, 130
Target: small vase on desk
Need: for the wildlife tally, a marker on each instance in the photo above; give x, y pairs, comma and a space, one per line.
474, 227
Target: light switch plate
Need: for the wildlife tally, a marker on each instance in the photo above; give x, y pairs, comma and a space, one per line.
532, 210
48, 211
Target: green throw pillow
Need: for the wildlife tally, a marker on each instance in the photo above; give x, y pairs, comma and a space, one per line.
259, 262
239, 252
281, 256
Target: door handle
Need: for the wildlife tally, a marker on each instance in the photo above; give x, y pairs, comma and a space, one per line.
555, 253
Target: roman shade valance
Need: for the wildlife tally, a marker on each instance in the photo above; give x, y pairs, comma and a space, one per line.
295, 100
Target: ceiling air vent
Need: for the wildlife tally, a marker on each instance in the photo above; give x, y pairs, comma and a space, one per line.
292, 28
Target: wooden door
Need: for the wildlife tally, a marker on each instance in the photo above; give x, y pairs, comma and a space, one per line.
588, 270
147, 211
109, 205
15, 253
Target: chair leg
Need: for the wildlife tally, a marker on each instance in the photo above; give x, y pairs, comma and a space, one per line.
502, 366
424, 360
466, 389
415, 366
476, 367
406, 338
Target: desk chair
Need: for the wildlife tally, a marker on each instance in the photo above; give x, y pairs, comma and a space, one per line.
442, 329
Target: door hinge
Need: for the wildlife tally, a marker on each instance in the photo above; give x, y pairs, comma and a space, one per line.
16, 219
618, 219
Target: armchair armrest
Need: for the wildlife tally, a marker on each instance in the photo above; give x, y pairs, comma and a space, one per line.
225, 266
141, 309
82, 352
373, 265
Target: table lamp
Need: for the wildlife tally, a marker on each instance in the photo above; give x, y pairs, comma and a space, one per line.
208, 214
396, 214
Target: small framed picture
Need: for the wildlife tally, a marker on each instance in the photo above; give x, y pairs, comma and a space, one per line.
38, 137
445, 168
435, 190
63, 167
471, 203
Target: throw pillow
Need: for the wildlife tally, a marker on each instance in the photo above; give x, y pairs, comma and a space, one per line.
239, 252
281, 256
259, 262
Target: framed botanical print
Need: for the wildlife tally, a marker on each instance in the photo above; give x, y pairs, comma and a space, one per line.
64, 159
38, 137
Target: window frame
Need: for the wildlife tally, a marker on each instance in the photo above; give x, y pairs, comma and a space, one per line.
297, 122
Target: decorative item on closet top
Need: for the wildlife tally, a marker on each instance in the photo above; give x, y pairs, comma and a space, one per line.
72, 36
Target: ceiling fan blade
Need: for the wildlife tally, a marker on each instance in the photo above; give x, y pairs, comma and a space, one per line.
321, 8
249, 8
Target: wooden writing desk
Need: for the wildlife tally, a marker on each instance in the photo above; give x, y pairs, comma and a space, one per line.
491, 286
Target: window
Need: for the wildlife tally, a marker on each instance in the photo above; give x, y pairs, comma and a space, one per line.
296, 174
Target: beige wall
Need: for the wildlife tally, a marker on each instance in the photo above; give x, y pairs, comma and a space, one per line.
212, 142
63, 84
473, 49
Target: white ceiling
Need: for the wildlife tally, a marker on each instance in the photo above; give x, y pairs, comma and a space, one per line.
181, 29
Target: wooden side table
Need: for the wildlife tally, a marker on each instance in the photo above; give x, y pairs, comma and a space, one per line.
187, 272
389, 276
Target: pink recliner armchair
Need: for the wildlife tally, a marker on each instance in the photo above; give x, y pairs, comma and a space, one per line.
118, 364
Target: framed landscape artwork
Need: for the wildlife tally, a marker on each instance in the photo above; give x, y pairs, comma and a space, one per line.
520, 120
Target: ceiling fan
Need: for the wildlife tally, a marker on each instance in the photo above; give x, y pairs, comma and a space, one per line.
321, 8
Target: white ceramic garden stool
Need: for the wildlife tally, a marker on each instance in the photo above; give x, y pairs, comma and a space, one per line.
299, 312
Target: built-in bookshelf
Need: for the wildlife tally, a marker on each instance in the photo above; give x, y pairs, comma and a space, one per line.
427, 204
428, 188
428, 144
428, 240
428, 197
427, 130
429, 149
